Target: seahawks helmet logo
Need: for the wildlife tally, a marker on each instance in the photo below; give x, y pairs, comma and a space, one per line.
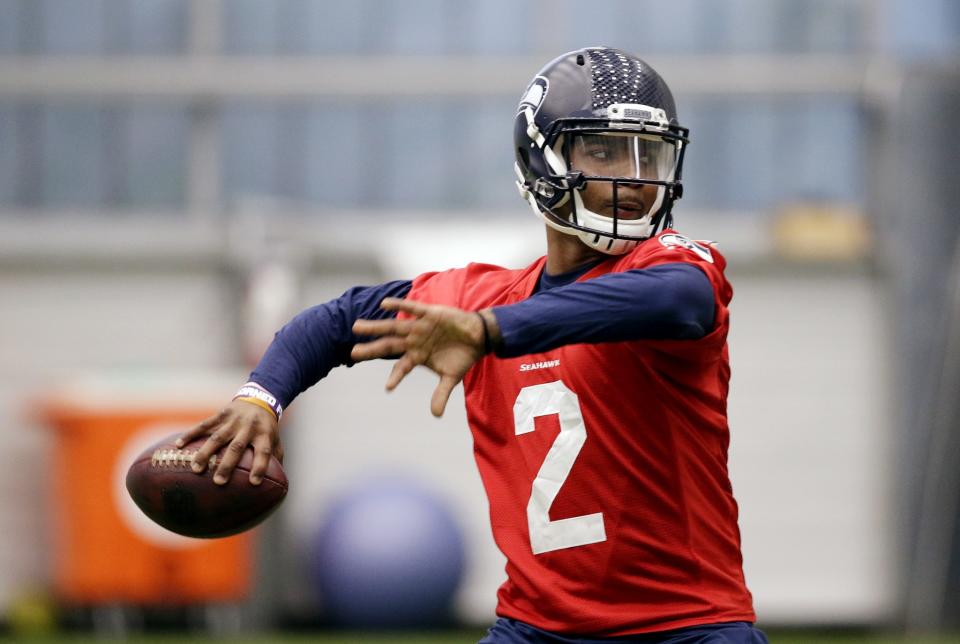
533, 97
673, 240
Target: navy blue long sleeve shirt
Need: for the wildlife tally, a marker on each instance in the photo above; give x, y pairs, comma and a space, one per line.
669, 301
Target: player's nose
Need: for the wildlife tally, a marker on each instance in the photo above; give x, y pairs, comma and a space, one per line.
633, 195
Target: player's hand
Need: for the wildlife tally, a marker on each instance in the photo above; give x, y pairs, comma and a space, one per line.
236, 426
445, 339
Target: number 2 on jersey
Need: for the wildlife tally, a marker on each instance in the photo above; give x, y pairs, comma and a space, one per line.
546, 535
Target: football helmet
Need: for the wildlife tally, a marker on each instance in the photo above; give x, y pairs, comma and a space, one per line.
599, 151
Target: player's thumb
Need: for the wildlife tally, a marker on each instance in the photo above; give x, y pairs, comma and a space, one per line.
438, 403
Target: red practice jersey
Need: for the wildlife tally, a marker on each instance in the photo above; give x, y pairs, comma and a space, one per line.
606, 464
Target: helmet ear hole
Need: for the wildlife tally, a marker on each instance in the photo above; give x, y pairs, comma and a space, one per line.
524, 157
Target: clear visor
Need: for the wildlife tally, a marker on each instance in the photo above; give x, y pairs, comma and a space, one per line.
623, 155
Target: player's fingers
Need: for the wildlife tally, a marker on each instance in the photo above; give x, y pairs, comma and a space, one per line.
231, 456
407, 306
381, 327
211, 446
262, 450
438, 403
401, 368
381, 348
201, 429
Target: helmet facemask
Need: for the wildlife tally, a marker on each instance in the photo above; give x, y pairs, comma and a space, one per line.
610, 181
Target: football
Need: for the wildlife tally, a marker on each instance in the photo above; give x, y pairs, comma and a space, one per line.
162, 484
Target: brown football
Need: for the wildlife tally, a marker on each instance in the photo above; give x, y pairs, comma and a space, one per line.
162, 484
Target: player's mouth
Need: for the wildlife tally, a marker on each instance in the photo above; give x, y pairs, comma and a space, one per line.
628, 209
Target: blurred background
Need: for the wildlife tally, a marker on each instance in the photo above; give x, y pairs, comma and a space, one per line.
178, 178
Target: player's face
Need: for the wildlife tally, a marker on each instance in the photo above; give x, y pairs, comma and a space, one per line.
622, 156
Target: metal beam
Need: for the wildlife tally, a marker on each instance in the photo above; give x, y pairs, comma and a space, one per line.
383, 77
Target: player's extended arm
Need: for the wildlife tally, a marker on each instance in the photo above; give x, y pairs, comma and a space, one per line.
302, 352
319, 339
669, 301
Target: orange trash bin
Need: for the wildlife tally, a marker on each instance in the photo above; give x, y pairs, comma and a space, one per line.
106, 551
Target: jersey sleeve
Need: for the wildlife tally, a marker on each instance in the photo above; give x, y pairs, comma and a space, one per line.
443, 287
667, 301
671, 248
319, 339
471, 288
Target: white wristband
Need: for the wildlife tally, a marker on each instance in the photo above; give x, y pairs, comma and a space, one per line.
255, 391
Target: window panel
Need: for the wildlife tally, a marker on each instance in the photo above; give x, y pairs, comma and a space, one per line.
250, 136
10, 24
340, 156
706, 155
817, 26
826, 139
72, 155
155, 157
669, 28
418, 137
607, 27
250, 27
72, 26
412, 26
323, 27
9, 152
754, 26
157, 26
483, 160
758, 155
924, 29
495, 27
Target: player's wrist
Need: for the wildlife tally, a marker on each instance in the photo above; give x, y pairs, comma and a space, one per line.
492, 341
254, 394
485, 345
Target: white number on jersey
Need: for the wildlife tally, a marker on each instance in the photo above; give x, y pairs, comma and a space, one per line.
546, 535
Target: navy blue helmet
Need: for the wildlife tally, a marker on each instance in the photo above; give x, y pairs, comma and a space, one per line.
599, 150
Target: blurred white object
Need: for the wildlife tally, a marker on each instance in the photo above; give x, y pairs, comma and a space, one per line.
412, 248
272, 298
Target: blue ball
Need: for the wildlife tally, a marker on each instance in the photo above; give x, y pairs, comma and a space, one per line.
388, 554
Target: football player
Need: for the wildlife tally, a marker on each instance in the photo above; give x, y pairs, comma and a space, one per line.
615, 510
